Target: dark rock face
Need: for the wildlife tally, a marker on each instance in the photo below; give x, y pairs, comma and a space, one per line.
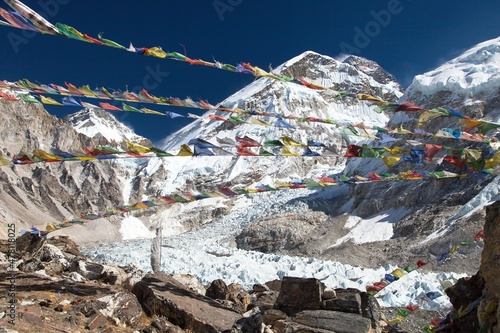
299, 294
490, 261
489, 311
480, 292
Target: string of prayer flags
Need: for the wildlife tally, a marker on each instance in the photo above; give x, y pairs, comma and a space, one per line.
440, 258
24, 17
71, 91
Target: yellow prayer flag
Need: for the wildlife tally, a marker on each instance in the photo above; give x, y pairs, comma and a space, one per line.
50, 227
287, 141
366, 97
185, 151
367, 134
470, 124
139, 205
50, 101
137, 148
492, 162
397, 320
4, 161
45, 156
258, 72
427, 116
474, 153
401, 130
156, 52
390, 160
399, 273
257, 121
149, 111
396, 150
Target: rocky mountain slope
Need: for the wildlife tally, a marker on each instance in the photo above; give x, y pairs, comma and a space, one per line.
37, 194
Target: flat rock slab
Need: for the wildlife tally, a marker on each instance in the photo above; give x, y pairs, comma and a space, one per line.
298, 294
338, 322
162, 295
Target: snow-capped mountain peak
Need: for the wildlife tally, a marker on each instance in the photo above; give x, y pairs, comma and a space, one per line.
287, 98
97, 123
476, 71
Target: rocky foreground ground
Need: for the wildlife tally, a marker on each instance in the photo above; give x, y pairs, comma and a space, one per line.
48, 285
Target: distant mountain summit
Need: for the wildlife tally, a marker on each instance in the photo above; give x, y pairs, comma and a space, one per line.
98, 124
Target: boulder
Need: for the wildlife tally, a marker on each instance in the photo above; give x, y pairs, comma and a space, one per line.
75, 277
134, 275
329, 293
30, 265
122, 308
282, 326
51, 252
191, 282
264, 301
348, 300
160, 294
113, 274
299, 294
218, 290
65, 244
490, 269
274, 285
260, 288
241, 299
338, 322
272, 315
96, 321
251, 322
89, 270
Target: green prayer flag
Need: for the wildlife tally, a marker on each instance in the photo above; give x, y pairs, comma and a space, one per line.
130, 108
273, 143
29, 99
236, 120
403, 312
263, 152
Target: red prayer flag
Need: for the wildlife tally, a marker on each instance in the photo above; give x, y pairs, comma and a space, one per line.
352, 151
408, 106
8, 97
216, 117
248, 142
411, 307
107, 106
479, 235
244, 152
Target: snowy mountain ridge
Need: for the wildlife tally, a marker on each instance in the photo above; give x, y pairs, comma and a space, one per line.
476, 71
282, 99
96, 123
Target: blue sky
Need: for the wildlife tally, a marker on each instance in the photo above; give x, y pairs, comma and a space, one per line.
406, 37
